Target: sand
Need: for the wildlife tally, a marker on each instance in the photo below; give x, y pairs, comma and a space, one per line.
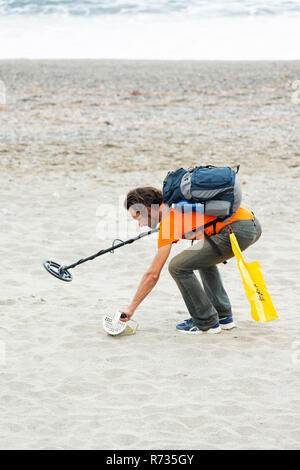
75, 136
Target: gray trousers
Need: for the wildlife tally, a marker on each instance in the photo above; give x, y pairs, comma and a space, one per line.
208, 303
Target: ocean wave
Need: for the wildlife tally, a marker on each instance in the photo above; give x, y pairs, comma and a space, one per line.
202, 8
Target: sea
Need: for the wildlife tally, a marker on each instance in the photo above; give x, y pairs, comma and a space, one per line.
150, 29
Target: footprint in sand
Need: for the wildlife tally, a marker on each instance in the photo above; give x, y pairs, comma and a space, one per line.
8, 302
114, 373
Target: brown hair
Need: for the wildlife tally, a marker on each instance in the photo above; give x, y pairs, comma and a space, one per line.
147, 195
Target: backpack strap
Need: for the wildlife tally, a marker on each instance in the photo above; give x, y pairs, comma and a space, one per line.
198, 229
210, 241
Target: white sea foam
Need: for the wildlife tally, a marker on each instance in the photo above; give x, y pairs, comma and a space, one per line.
152, 29
204, 8
150, 36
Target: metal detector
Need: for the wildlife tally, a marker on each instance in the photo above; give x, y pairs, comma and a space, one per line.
62, 272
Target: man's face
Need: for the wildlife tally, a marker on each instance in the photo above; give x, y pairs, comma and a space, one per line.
145, 216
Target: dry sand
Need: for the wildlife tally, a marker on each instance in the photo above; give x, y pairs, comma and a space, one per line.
75, 135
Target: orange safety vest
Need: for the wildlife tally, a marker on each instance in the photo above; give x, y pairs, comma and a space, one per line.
241, 214
174, 226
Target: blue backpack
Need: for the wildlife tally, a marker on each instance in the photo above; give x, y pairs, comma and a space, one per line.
217, 188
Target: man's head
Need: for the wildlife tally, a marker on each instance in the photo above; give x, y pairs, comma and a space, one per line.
143, 205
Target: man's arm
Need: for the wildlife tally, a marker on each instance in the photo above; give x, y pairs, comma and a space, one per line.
149, 279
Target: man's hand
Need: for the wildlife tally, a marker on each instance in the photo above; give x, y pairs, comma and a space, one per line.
128, 312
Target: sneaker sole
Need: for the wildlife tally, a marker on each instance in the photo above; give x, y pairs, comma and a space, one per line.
211, 331
228, 326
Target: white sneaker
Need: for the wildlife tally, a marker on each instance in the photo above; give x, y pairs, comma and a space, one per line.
227, 323
190, 328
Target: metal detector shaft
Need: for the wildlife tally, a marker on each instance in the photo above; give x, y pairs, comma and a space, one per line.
111, 249
62, 273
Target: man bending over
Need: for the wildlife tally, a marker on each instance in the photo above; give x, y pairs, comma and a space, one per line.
208, 304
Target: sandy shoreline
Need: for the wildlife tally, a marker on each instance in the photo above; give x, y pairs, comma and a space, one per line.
75, 135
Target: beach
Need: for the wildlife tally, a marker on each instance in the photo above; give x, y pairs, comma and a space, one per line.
75, 137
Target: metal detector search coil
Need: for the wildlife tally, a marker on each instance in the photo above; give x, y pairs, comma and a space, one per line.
58, 271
